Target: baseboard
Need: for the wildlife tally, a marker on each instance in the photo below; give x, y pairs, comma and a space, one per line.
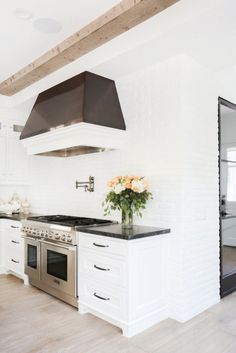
184, 316
5, 271
145, 322
132, 328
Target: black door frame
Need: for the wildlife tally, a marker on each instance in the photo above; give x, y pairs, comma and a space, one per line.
227, 284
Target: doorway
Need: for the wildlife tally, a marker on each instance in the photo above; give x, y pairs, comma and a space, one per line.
227, 194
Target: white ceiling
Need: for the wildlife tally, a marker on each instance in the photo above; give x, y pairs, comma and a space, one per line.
202, 29
21, 43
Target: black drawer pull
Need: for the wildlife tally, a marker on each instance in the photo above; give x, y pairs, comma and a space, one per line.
15, 242
56, 281
101, 246
16, 262
15, 227
98, 296
100, 268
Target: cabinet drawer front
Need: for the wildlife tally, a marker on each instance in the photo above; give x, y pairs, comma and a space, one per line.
13, 226
109, 301
15, 264
14, 240
101, 267
15, 246
103, 245
16, 252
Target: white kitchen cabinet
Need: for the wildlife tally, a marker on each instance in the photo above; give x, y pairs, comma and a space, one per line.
123, 282
12, 248
14, 161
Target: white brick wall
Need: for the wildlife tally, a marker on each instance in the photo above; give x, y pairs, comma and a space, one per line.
151, 122
170, 110
197, 257
17, 114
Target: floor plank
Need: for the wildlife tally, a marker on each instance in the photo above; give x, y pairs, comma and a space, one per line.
32, 321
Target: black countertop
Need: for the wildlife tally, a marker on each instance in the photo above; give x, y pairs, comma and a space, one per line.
16, 216
110, 230
117, 231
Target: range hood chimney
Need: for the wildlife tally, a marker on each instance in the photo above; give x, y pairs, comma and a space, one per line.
78, 116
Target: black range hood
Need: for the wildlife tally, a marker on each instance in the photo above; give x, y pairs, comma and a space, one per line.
85, 98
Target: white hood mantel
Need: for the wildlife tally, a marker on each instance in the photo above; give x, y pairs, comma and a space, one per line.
78, 116
76, 139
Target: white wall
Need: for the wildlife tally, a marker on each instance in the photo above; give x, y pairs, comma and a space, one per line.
170, 110
171, 113
152, 123
195, 251
17, 114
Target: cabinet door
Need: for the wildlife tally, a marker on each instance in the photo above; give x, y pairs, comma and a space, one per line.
17, 166
13, 246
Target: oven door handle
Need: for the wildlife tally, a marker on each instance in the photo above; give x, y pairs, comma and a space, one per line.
30, 238
70, 248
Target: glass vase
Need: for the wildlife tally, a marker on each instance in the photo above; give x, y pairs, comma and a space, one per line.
127, 218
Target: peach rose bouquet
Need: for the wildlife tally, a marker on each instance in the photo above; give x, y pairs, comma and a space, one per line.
129, 194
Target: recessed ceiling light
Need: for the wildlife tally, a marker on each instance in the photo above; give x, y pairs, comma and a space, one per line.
23, 14
47, 25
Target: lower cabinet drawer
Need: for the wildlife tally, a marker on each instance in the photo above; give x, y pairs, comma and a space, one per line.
103, 268
103, 245
15, 254
104, 299
15, 264
15, 246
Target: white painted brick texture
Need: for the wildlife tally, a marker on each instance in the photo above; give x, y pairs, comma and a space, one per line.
170, 111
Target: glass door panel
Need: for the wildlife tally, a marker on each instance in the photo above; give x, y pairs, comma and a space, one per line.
32, 256
32, 259
227, 137
57, 264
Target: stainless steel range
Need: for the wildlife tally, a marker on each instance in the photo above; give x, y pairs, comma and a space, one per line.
51, 255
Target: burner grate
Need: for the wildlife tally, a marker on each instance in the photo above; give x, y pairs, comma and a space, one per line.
69, 220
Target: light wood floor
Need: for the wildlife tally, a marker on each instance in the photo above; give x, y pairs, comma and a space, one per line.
32, 321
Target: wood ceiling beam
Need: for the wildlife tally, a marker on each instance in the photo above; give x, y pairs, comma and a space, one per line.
119, 19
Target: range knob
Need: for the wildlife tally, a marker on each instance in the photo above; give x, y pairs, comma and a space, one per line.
46, 235
69, 239
57, 236
63, 237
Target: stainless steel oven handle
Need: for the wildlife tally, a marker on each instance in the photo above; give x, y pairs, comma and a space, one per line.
30, 238
70, 248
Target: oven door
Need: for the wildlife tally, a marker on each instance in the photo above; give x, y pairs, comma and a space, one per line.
58, 267
32, 258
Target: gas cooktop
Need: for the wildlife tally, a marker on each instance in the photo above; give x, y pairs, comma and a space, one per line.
70, 221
